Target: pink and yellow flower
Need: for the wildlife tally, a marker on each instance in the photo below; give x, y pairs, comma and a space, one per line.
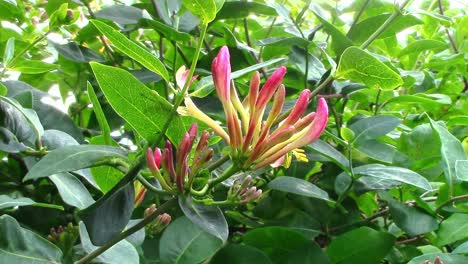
255, 142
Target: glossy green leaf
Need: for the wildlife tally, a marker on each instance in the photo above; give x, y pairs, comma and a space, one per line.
237, 254
419, 46
362, 245
7, 201
132, 49
122, 252
451, 150
209, 218
283, 245
364, 29
9, 51
204, 9
453, 229
359, 66
29, 114
143, 109
461, 169
330, 152
373, 127
20, 245
71, 158
376, 150
393, 173
183, 242
72, 191
298, 186
33, 67
412, 220
340, 40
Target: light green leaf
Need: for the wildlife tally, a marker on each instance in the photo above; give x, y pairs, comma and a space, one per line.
33, 67
204, 9
359, 66
71, 158
419, 46
72, 191
209, 218
20, 245
9, 51
340, 40
298, 186
461, 169
427, 101
183, 242
122, 252
145, 110
132, 49
451, 149
7, 202
362, 245
453, 229
3, 89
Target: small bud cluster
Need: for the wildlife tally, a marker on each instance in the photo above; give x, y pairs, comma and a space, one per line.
159, 223
170, 172
64, 237
436, 261
243, 191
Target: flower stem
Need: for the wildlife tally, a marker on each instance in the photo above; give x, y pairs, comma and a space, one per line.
226, 174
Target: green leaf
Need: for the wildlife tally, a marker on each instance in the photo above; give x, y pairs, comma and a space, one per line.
298, 186
411, 219
72, 191
123, 15
393, 173
373, 127
3, 90
204, 9
33, 67
101, 118
132, 49
183, 242
9, 52
340, 40
143, 109
283, 245
359, 66
241, 9
283, 41
237, 254
446, 258
205, 85
71, 158
451, 150
364, 29
363, 245
29, 114
106, 176
167, 31
461, 169
209, 218
427, 101
461, 249
419, 46
20, 245
330, 152
377, 150
122, 252
75, 52
7, 202
453, 229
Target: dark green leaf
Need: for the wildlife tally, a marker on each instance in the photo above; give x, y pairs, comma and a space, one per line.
75, 52
241, 9
19, 245
72, 191
29, 114
143, 109
121, 14
71, 158
359, 66
377, 150
362, 245
411, 219
167, 31
131, 49
330, 152
453, 229
315, 69
373, 127
283, 245
183, 242
240, 254
209, 218
299, 187
122, 252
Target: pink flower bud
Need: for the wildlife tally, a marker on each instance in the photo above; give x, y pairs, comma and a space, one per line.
151, 161
163, 219
203, 142
253, 92
270, 87
299, 108
193, 131
168, 159
221, 69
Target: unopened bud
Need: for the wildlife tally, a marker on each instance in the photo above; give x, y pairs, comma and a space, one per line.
438, 260
164, 219
150, 210
70, 14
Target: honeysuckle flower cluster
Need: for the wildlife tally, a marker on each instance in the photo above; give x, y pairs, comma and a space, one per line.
256, 143
178, 174
243, 191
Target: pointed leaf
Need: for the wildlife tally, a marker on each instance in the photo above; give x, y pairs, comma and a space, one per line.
299, 187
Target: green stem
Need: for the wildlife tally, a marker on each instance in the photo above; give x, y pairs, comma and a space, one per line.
218, 163
149, 186
161, 209
456, 198
226, 174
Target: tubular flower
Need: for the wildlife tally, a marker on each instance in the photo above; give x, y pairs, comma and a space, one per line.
173, 168
256, 142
